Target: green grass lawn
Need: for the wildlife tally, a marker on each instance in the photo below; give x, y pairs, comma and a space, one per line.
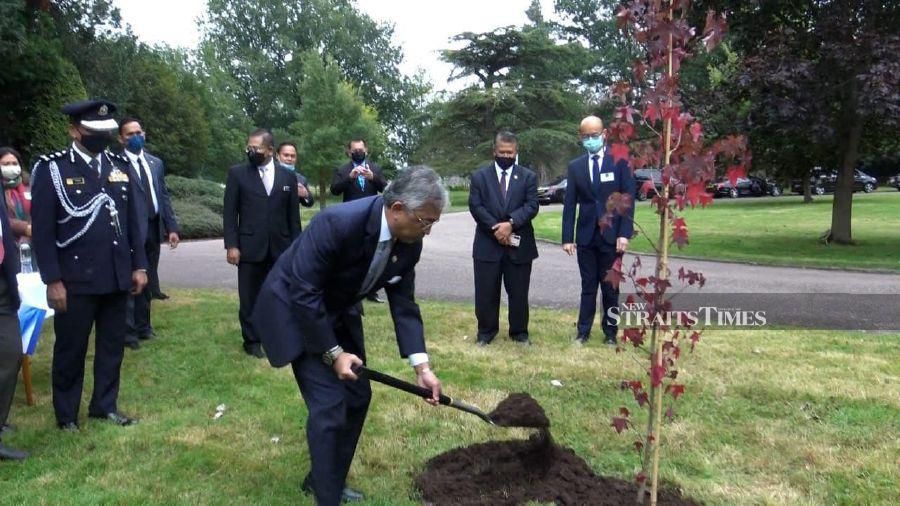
774, 231
769, 417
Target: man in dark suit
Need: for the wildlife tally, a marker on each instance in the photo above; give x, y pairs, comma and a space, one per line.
89, 228
358, 179
287, 155
161, 225
503, 201
261, 218
307, 314
592, 179
10, 338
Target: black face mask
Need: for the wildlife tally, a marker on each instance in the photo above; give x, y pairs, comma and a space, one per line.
96, 143
256, 158
358, 156
504, 162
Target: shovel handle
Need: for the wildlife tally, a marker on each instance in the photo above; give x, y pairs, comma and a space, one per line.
399, 384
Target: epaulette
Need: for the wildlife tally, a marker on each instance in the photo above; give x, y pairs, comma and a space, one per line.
117, 156
53, 156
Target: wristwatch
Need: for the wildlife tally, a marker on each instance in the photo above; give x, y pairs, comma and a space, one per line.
512, 222
331, 355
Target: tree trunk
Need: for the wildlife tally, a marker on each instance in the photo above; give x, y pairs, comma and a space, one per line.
807, 190
842, 208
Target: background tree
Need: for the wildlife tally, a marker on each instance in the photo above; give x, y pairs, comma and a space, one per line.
333, 114
823, 79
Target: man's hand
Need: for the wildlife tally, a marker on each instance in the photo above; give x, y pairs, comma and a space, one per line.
343, 366
502, 231
56, 296
173, 240
621, 244
367, 173
138, 281
302, 192
425, 378
569, 248
233, 255
355, 172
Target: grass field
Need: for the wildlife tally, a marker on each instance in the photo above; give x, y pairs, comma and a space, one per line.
774, 231
769, 417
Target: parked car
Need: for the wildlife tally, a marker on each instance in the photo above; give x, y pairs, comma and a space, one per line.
554, 193
641, 176
745, 186
894, 181
823, 181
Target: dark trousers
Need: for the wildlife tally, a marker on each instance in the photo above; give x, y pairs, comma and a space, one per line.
250, 279
516, 278
337, 412
10, 361
593, 261
73, 328
138, 313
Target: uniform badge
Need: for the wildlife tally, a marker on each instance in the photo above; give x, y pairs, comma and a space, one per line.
394, 259
286, 188
117, 176
103, 111
606, 177
70, 181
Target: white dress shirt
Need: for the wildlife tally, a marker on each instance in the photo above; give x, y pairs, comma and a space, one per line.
590, 162
136, 160
499, 172
267, 174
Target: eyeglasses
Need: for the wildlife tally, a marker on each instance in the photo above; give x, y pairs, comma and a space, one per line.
425, 224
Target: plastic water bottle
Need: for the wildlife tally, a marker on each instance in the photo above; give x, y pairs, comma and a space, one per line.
25, 258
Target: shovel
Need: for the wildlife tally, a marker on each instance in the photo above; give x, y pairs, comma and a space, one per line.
424, 393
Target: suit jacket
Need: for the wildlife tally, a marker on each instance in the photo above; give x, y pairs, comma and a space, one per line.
10, 263
258, 224
592, 205
167, 221
314, 287
341, 184
102, 260
487, 207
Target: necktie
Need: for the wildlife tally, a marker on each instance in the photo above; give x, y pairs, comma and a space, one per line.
144, 175
595, 173
95, 164
361, 181
264, 174
2, 249
376, 268
503, 184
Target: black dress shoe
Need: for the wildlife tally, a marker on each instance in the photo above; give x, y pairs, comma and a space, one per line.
582, 338
68, 426
373, 297
116, 418
610, 341
159, 296
481, 343
7, 453
148, 336
254, 350
7, 429
134, 345
347, 494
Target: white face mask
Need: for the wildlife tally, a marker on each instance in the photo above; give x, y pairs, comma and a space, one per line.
11, 172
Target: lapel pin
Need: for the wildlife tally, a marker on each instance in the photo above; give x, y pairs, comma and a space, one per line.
394, 258
516, 176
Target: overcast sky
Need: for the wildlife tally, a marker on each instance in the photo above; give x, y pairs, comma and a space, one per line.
421, 27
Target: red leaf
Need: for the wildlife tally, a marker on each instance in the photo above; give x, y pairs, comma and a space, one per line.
670, 414
619, 152
641, 398
715, 29
640, 70
695, 193
680, 236
676, 390
657, 373
614, 275
640, 478
651, 113
620, 424
638, 446
619, 203
648, 188
695, 337
624, 412
735, 172
634, 335
696, 131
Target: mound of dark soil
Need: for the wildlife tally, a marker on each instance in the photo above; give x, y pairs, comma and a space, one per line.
516, 472
520, 410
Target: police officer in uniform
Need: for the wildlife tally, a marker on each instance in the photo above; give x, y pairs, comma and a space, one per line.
89, 226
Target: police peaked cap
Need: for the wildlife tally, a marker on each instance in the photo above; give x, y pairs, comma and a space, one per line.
94, 114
